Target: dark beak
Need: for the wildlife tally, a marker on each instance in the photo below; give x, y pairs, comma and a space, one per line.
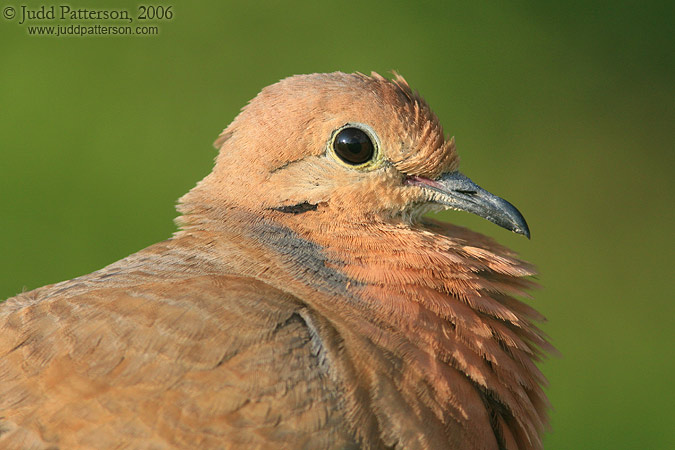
459, 192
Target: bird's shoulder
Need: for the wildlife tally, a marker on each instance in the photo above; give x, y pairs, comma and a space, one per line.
208, 360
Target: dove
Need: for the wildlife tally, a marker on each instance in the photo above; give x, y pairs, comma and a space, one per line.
306, 301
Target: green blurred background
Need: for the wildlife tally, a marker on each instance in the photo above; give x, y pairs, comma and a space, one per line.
566, 109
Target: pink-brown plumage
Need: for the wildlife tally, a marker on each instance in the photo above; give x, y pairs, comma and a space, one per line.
303, 304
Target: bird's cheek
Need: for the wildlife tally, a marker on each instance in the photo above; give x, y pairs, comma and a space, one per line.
299, 183
293, 194
371, 197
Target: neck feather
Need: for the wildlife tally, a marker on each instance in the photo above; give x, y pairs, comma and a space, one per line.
434, 302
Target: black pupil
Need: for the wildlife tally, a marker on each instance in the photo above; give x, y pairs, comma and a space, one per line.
353, 146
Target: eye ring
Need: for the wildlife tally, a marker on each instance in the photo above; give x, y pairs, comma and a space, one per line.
355, 145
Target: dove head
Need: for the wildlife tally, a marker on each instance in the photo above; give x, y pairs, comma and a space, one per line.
356, 146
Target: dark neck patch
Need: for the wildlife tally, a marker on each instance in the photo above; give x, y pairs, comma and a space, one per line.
311, 264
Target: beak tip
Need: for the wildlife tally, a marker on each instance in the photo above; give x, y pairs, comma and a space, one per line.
508, 216
526, 233
516, 222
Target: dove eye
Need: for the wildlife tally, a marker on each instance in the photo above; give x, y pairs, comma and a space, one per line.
354, 145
